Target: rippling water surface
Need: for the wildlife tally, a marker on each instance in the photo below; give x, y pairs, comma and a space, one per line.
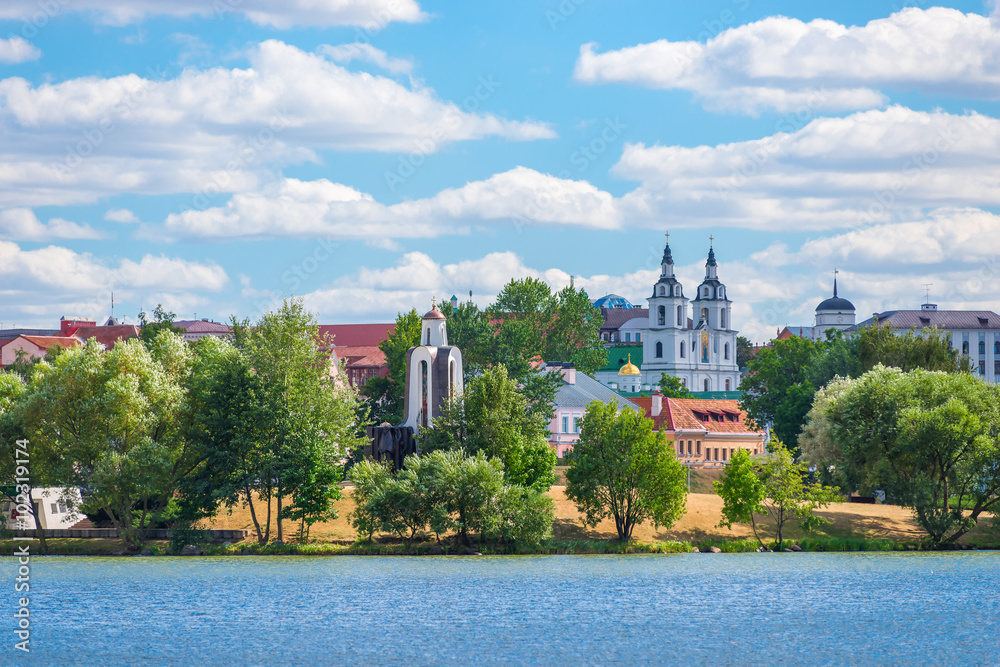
722, 609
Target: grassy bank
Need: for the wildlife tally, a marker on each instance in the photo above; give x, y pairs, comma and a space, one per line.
853, 527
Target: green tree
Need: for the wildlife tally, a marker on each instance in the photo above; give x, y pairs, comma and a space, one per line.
493, 418
773, 487
744, 352
672, 387
113, 421
532, 322
930, 439
275, 425
777, 389
928, 349
163, 320
621, 468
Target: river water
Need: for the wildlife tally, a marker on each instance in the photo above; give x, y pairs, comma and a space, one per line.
720, 609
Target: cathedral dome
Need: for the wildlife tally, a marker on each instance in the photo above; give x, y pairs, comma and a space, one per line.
835, 303
629, 368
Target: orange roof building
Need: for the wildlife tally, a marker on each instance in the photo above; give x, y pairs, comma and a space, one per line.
34, 346
705, 432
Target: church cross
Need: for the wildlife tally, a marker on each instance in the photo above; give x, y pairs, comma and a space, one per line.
711, 240
668, 238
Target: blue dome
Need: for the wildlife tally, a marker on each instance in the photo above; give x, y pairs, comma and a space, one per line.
612, 301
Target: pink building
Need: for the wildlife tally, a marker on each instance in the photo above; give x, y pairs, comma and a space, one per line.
34, 347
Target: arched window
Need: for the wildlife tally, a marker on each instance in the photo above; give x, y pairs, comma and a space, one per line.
722, 324
982, 347
727, 385
662, 315
965, 347
677, 290
706, 384
680, 316
428, 342
727, 355
682, 349
704, 292
659, 349
722, 292
662, 290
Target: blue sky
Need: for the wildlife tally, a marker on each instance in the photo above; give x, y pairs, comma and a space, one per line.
368, 155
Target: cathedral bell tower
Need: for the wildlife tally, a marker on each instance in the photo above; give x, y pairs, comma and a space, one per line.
711, 306
667, 305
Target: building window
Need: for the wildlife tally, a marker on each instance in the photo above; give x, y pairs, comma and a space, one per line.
996, 368
659, 349
727, 385
722, 324
727, 345
662, 315
982, 347
576, 423
661, 290
706, 384
996, 347
637, 336
965, 347
716, 454
677, 290
628, 337
680, 448
722, 292
604, 335
689, 448
565, 424
697, 448
614, 337
682, 349
982, 368
723, 453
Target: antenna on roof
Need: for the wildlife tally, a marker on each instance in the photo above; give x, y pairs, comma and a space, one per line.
112, 304
927, 292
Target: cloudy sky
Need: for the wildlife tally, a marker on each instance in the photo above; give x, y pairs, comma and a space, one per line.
370, 154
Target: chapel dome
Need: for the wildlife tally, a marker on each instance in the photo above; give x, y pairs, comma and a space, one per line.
835, 303
629, 368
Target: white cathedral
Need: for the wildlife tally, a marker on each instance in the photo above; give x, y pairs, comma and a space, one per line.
699, 348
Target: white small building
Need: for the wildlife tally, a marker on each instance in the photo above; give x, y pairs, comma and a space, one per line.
53, 506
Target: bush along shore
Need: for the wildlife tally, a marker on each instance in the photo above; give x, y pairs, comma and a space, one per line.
107, 547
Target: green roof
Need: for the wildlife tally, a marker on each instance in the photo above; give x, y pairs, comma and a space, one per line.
618, 357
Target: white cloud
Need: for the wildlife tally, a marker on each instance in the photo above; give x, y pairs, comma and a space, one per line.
777, 62
217, 130
372, 15
345, 53
18, 50
41, 284
122, 215
21, 224
870, 167
292, 207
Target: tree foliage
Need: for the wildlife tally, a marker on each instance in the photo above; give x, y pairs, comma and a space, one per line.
447, 491
774, 487
111, 423
275, 425
931, 440
621, 468
163, 320
672, 387
493, 418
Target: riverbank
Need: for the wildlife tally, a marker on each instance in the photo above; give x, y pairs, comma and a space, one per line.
853, 527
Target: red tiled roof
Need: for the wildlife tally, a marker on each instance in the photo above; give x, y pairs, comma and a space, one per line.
357, 334
359, 355
45, 342
688, 414
108, 336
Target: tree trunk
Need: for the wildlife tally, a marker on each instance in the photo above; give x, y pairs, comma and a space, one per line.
39, 533
281, 539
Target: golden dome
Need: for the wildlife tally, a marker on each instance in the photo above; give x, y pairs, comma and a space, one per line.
629, 368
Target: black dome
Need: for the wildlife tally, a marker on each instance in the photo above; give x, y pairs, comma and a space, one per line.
835, 303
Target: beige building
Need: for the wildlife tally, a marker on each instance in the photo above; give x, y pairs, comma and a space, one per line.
705, 432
